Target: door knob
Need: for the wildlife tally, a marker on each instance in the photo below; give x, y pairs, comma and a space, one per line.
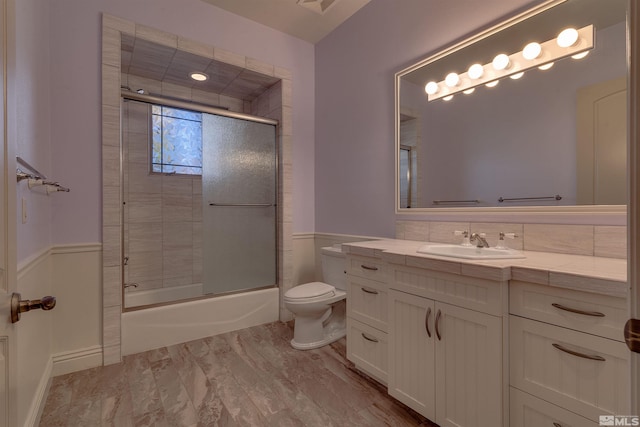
19, 306
632, 335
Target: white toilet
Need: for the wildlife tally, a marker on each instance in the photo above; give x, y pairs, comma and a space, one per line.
319, 307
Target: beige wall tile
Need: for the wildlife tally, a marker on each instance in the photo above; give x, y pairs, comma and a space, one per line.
144, 237
111, 253
176, 91
111, 206
111, 319
233, 104
177, 263
145, 266
206, 98
156, 36
610, 241
138, 148
282, 73
416, 230
111, 355
111, 81
177, 235
111, 47
120, 24
197, 48
149, 85
141, 181
145, 207
260, 67
111, 125
568, 239
111, 282
493, 230
228, 57
442, 232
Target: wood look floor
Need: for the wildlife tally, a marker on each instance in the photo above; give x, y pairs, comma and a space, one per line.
250, 377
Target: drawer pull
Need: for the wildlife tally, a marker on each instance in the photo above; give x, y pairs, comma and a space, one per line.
369, 291
368, 338
426, 321
437, 324
557, 425
366, 267
575, 310
575, 353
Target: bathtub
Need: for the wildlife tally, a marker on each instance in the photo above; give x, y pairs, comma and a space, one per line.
160, 295
156, 327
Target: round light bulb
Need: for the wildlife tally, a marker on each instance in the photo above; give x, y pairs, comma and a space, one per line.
567, 37
516, 76
580, 55
469, 91
493, 83
532, 51
475, 71
501, 62
431, 88
546, 66
448, 98
452, 80
200, 77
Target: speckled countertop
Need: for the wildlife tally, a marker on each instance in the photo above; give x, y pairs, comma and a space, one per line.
606, 276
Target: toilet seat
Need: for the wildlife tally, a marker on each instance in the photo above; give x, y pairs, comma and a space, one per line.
310, 291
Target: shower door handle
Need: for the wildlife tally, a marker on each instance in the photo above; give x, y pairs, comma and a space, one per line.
244, 205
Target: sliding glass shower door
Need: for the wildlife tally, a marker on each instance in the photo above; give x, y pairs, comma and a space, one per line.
239, 190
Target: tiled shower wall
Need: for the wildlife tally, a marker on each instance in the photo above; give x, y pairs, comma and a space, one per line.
162, 213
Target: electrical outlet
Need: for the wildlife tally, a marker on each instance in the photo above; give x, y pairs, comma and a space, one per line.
24, 210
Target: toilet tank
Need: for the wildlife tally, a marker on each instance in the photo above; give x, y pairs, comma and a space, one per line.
333, 266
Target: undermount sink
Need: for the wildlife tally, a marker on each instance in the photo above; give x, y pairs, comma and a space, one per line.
470, 252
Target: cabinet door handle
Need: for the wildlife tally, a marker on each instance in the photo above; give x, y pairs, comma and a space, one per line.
426, 321
578, 354
557, 425
575, 310
368, 338
366, 267
369, 291
437, 325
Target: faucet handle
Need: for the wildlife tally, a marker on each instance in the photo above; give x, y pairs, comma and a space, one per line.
465, 236
501, 244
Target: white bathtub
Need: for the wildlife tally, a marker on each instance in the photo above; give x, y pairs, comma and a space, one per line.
156, 296
157, 327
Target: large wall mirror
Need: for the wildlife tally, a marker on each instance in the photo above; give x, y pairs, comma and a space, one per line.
546, 129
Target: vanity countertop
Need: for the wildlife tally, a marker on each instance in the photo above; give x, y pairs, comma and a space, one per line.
606, 276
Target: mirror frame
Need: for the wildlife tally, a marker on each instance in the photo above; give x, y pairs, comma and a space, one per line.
609, 213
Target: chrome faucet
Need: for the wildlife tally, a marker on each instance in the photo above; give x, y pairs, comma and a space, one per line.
479, 240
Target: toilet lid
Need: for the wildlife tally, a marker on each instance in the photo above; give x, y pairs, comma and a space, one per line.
310, 290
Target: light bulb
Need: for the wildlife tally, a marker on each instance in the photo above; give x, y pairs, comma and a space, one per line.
516, 76
200, 77
448, 98
531, 51
452, 80
469, 91
475, 71
580, 55
567, 37
546, 66
431, 88
501, 62
493, 83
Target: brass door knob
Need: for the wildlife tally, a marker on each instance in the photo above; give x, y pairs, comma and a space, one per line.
19, 306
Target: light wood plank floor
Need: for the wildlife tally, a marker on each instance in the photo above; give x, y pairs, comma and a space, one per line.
250, 377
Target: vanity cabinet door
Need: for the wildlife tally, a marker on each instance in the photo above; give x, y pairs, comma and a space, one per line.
445, 362
468, 368
412, 352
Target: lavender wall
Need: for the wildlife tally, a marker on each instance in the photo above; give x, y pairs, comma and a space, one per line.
355, 67
75, 70
31, 121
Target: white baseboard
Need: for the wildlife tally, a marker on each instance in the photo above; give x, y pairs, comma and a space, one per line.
76, 360
40, 398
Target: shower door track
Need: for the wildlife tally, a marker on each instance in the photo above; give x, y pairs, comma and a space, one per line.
169, 102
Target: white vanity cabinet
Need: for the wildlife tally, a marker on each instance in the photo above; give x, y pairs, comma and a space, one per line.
567, 350
367, 315
446, 360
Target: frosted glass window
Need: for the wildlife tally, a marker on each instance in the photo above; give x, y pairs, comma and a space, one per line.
177, 141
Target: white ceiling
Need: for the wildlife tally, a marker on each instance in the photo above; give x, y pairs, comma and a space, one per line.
309, 20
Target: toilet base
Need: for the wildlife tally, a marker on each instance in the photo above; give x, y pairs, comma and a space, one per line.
312, 332
335, 336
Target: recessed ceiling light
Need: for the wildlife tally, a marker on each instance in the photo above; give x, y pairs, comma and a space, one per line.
200, 77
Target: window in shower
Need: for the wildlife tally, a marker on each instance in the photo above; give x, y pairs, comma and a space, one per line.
177, 141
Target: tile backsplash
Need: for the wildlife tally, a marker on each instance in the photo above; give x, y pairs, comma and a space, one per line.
589, 240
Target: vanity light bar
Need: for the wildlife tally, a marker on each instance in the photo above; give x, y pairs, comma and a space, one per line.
517, 64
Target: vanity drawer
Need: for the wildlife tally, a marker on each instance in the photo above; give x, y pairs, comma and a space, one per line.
367, 349
366, 267
596, 314
485, 296
583, 373
529, 411
367, 302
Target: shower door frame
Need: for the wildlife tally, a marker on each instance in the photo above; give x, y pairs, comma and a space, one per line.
201, 108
